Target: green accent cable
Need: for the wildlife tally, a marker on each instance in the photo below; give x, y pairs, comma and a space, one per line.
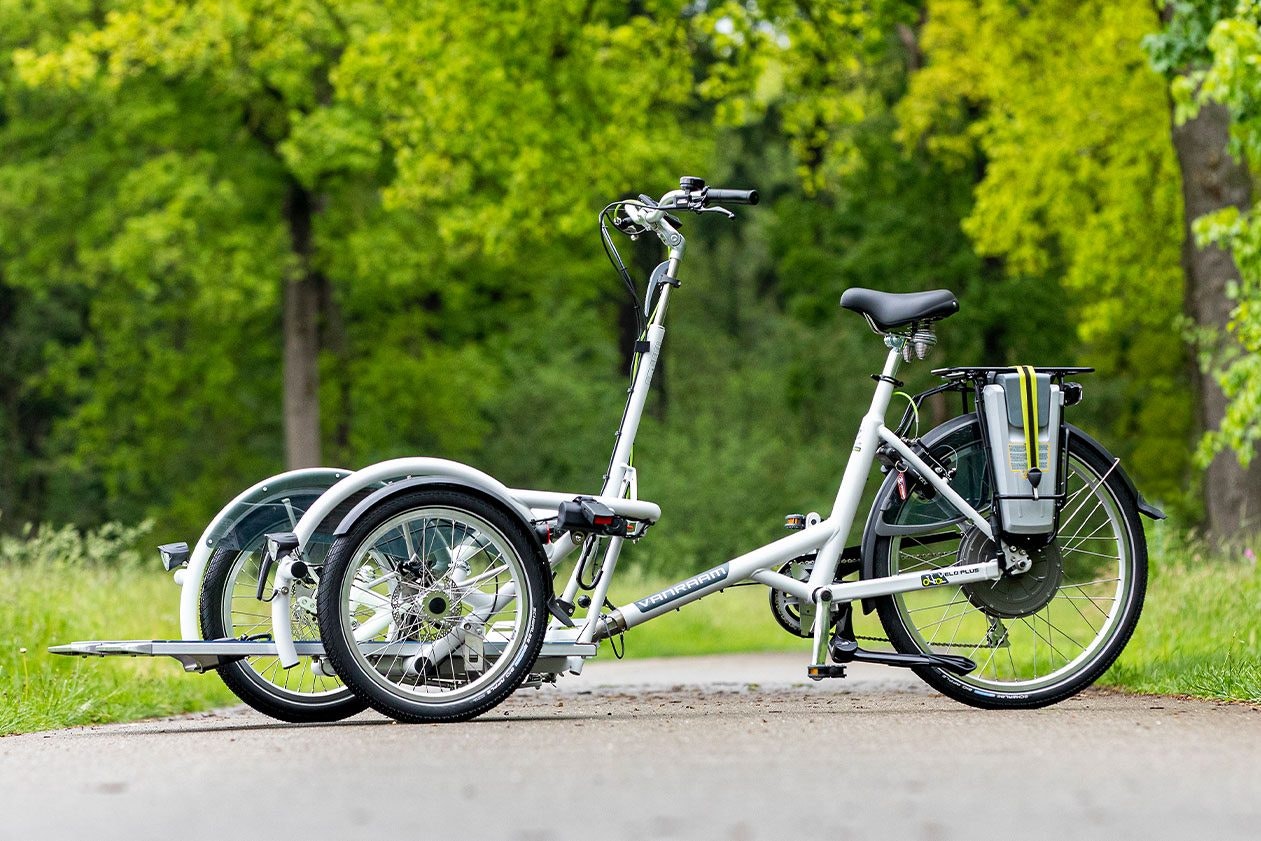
914, 408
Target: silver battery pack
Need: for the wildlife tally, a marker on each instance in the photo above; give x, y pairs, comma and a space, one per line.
1006, 413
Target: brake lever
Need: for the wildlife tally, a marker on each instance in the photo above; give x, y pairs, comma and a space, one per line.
716, 209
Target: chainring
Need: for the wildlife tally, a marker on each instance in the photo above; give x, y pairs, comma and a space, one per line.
1011, 596
787, 608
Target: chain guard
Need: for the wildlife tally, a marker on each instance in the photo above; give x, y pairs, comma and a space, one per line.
1011, 596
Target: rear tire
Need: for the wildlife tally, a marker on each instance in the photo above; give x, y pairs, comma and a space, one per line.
1025, 659
229, 609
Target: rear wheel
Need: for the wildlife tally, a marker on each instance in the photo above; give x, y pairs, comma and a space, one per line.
433, 606
1039, 637
230, 609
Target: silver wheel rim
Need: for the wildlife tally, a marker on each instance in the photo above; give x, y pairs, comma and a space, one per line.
245, 615
1055, 643
464, 562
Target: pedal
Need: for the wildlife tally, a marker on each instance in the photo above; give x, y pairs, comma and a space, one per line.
821, 672
848, 651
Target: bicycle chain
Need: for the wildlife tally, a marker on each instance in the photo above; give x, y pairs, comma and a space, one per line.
935, 645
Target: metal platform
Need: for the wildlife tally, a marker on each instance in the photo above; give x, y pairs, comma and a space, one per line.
201, 655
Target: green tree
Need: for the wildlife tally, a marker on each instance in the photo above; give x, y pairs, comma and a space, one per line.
386, 186
1212, 180
1227, 82
1056, 103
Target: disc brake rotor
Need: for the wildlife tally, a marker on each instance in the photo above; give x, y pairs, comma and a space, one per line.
424, 613
1012, 596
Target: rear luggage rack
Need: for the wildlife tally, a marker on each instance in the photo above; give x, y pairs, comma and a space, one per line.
981, 372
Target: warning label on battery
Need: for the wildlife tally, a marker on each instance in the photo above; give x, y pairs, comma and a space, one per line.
1017, 457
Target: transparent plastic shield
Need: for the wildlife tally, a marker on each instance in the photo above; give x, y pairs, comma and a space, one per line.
960, 451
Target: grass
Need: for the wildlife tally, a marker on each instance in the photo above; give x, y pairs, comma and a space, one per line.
1199, 634
79, 595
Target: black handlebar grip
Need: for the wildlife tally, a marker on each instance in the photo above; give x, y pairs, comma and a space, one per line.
731, 196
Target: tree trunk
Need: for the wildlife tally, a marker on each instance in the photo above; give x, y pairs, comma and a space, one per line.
1211, 180
337, 343
302, 297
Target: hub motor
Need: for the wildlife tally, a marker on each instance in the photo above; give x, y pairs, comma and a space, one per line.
1011, 596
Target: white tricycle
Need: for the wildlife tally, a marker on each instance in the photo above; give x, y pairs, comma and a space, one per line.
1004, 553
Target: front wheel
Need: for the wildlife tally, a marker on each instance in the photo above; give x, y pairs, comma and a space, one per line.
433, 606
1036, 638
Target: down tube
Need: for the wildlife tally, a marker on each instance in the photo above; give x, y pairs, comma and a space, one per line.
719, 577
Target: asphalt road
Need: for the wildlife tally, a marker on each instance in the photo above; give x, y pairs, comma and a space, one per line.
696, 748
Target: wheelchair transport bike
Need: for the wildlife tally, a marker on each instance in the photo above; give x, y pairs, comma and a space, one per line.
1003, 555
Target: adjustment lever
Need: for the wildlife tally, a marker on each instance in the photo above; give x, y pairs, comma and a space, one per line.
847, 651
670, 217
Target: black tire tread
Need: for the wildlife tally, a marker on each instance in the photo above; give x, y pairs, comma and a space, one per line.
329, 605
235, 674
943, 682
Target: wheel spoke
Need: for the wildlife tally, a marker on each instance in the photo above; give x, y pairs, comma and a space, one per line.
1050, 640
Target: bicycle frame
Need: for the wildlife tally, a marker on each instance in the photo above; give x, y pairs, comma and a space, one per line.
827, 537
619, 492
567, 643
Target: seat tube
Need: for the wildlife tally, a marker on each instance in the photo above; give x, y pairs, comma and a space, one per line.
857, 469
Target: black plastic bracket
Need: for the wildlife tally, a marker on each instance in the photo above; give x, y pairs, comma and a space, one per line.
285, 542
562, 610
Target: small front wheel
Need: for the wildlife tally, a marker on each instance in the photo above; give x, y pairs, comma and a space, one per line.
433, 606
1039, 637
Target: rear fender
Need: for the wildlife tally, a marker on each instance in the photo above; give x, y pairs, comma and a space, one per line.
871, 532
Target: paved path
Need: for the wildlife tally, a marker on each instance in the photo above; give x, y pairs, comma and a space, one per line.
695, 748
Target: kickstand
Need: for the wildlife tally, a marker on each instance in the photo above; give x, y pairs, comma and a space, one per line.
844, 623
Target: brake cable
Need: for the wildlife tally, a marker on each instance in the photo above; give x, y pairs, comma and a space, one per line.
615, 257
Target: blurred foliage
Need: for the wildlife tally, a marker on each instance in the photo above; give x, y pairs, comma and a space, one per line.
1230, 73
456, 154
1080, 188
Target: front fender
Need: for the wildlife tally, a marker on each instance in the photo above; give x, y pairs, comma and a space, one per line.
389, 473
395, 488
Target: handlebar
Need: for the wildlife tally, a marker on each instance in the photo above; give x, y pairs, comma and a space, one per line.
713, 195
693, 195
